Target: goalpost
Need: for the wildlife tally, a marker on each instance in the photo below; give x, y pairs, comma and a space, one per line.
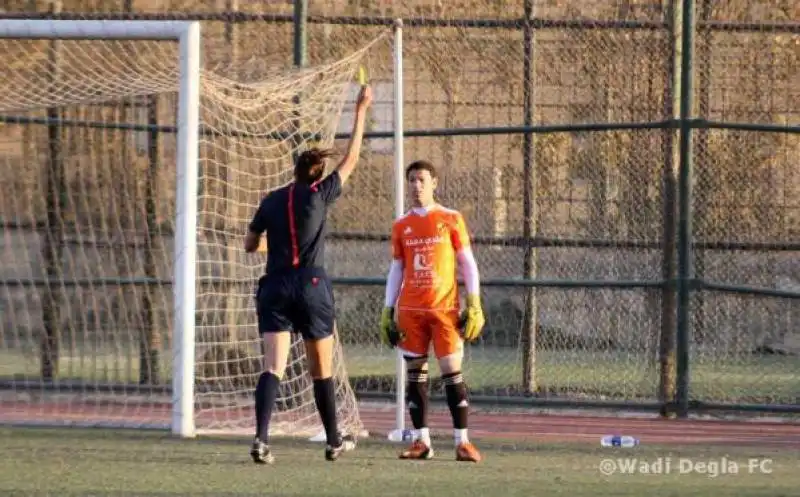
233, 141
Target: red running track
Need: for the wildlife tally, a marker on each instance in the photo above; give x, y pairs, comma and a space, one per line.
511, 426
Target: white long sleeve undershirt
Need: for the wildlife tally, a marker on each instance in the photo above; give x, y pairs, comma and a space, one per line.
467, 265
469, 270
393, 282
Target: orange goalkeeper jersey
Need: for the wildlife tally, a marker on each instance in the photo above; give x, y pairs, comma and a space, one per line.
427, 243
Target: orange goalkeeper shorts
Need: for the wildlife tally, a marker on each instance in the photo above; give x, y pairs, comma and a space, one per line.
423, 327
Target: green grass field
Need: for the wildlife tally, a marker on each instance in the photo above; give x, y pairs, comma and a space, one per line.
83, 463
496, 371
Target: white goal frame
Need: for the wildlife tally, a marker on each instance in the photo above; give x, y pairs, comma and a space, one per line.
396, 435
187, 35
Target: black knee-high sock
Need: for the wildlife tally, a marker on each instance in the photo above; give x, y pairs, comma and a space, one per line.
456, 392
266, 393
325, 398
417, 397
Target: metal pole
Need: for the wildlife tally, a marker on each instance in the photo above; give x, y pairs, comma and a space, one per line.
685, 210
151, 342
300, 33
530, 214
55, 199
399, 208
229, 182
666, 346
185, 247
700, 206
150, 356
300, 59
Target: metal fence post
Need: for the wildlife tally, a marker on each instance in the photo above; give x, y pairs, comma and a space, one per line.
666, 346
530, 187
685, 209
53, 244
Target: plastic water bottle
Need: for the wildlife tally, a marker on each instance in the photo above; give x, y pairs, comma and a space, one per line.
619, 441
401, 436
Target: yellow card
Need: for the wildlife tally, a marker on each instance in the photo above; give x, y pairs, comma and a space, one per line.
362, 76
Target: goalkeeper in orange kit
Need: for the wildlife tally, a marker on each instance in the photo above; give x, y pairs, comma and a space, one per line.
428, 244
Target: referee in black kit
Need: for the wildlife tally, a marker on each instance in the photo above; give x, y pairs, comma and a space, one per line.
296, 294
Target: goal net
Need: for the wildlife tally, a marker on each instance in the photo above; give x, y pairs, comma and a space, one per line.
89, 167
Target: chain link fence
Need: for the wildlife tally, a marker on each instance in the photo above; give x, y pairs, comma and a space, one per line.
593, 199
746, 192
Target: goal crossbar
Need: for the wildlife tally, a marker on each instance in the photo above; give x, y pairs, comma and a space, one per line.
187, 34
33, 29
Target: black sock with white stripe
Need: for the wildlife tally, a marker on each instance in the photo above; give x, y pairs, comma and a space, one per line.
456, 392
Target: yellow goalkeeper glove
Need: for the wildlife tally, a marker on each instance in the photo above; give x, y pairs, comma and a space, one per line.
472, 319
390, 333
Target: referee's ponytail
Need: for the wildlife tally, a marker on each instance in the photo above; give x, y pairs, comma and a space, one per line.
311, 165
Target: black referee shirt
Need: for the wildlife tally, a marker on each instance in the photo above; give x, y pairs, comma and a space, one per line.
294, 218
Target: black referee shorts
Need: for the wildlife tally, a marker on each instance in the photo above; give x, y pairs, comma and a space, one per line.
298, 300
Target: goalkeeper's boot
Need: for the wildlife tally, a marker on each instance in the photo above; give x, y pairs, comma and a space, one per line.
260, 453
417, 450
348, 443
467, 452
